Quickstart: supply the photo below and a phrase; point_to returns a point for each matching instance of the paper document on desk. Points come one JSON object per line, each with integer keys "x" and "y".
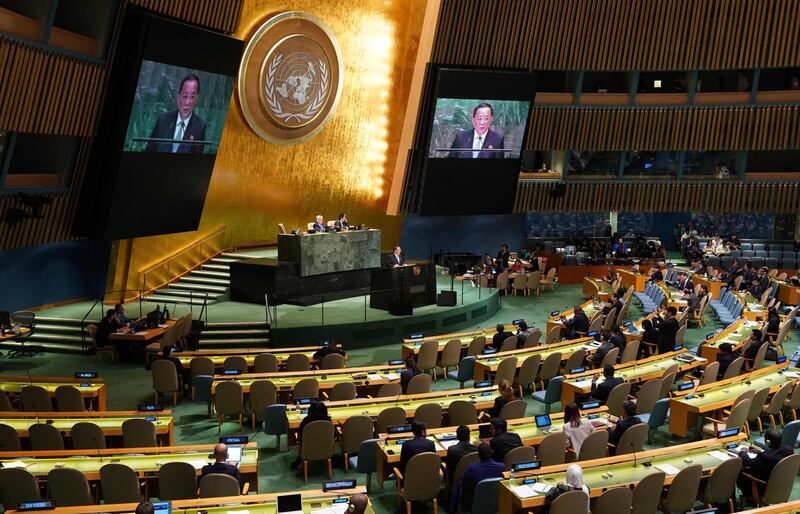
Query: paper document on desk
{"x": 447, "y": 444}
{"x": 523, "y": 491}
{"x": 791, "y": 374}
{"x": 374, "y": 376}
{"x": 336, "y": 508}
{"x": 14, "y": 464}
{"x": 539, "y": 487}
{"x": 720, "y": 455}
{"x": 198, "y": 464}
{"x": 391, "y": 376}
{"x": 667, "y": 468}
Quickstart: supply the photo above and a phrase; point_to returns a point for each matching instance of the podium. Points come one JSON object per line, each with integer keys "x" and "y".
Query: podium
{"x": 399, "y": 290}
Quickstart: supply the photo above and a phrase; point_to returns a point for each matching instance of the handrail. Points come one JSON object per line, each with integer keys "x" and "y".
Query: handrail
{"x": 140, "y": 295}
{"x": 226, "y": 230}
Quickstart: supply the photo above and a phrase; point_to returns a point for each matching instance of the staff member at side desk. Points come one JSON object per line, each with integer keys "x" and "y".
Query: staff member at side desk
{"x": 394, "y": 259}
{"x": 602, "y": 391}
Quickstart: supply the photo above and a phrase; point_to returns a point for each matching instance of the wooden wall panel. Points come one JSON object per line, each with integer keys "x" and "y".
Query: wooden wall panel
{"x": 618, "y": 34}
{"x": 649, "y": 197}
{"x": 220, "y": 15}
{"x": 665, "y": 128}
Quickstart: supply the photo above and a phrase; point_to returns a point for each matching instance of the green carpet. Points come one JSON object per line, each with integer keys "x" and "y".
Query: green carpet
{"x": 130, "y": 385}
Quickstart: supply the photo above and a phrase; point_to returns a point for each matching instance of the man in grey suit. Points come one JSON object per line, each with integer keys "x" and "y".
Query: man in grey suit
{"x": 480, "y": 138}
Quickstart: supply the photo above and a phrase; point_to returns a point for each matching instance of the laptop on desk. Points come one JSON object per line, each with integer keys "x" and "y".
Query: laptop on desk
{"x": 290, "y": 504}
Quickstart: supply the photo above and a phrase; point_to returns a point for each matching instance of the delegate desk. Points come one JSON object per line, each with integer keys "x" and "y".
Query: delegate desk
{"x": 626, "y": 470}
{"x": 109, "y": 421}
{"x": 638, "y": 332}
{"x": 589, "y": 308}
{"x": 142, "y": 336}
{"x": 791, "y": 507}
{"x": 712, "y": 284}
{"x": 674, "y": 297}
{"x": 482, "y": 398}
{"x": 597, "y": 289}
{"x": 486, "y": 365}
{"x": 367, "y": 377}
{"x": 144, "y": 461}
{"x": 218, "y": 356}
{"x": 580, "y": 384}
{"x": 334, "y": 502}
{"x": 788, "y": 294}
{"x": 629, "y": 278}
{"x": 411, "y": 346}
{"x": 735, "y": 334}
{"x": 753, "y": 310}
{"x": 687, "y": 410}
{"x": 91, "y": 389}
{"x": 389, "y": 446}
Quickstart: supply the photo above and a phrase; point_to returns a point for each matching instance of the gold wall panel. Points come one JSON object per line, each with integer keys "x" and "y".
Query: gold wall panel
{"x": 665, "y": 128}
{"x": 619, "y": 34}
{"x": 347, "y": 167}
{"x": 649, "y": 197}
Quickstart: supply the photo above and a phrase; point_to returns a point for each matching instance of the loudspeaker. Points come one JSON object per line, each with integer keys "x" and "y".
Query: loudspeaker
{"x": 401, "y": 308}
{"x": 446, "y": 299}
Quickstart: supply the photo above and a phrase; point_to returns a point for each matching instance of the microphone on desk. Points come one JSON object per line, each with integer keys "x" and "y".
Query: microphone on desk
{"x": 97, "y": 448}
{"x": 35, "y": 410}
{"x": 633, "y": 450}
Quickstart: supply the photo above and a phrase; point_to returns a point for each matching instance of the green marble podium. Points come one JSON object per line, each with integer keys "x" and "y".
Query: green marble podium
{"x": 317, "y": 254}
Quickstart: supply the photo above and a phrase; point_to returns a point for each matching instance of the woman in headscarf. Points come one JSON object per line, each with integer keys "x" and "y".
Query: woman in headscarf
{"x": 574, "y": 483}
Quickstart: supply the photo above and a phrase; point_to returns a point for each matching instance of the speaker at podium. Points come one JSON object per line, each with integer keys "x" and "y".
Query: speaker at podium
{"x": 399, "y": 290}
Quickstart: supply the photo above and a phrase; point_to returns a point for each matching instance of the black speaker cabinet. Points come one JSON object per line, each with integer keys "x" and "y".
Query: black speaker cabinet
{"x": 446, "y": 299}
{"x": 401, "y": 307}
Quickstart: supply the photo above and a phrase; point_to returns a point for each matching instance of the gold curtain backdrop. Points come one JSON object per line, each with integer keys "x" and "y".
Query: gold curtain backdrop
{"x": 256, "y": 185}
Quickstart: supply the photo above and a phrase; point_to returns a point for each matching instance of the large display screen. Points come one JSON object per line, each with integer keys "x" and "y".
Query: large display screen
{"x": 467, "y": 128}
{"x": 177, "y": 110}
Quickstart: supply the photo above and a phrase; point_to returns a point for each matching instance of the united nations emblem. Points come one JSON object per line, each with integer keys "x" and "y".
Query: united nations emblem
{"x": 290, "y": 78}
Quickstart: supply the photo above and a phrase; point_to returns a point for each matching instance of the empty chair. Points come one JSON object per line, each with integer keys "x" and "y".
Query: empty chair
{"x": 486, "y": 497}
{"x": 430, "y": 414}
{"x": 630, "y": 352}
{"x": 710, "y": 373}
{"x": 682, "y": 493}
{"x": 165, "y": 379}
{"x": 736, "y": 419}
{"x": 647, "y": 493}
{"x": 419, "y": 482}
{"x": 355, "y": 430}
{"x": 276, "y": 423}
{"x": 228, "y": 401}
{"x": 610, "y": 358}
{"x": 87, "y": 436}
{"x": 513, "y": 410}
{"x": 262, "y": 394}
{"x": 595, "y": 446}
{"x": 45, "y": 437}
{"x": 388, "y": 417}
{"x": 317, "y": 444}
{"x": 419, "y": 384}
{"x": 510, "y": 343}
{"x": 552, "y": 449}
{"x": 201, "y": 390}
{"x": 297, "y": 362}
{"x": 647, "y": 395}
{"x": 614, "y": 501}
{"x": 756, "y": 406}
{"x": 426, "y": 358}
{"x": 235, "y": 362}
{"x": 657, "y": 417}
{"x": 550, "y": 395}
{"x": 553, "y": 335}
{"x": 734, "y": 368}
{"x": 306, "y": 388}
{"x": 780, "y": 482}
{"x": 343, "y": 391}
{"x": 120, "y": 484}
{"x": 616, "y": 397}
{"x": 391, "y": 389}
{"x": 527, "y": 372}
{"x": 9, "y": 439}
{"x": 721, "y": 485}
{"x": 69, "y": 399}
{"x": 16, "y": 486}
{"x": 775, "y": 405}
{"x": 550, "y": 368}
{"x": 5, "y": 403}
{"x": 177, "y": 481}
{"x": 633, "y": 439}
{"x": 200, "y": 366}
{"x": 667, "y": 382}
{"x": 575, "y": 360}
{"x": 793, "y": 402}
{"x": 69, "y": 487}
{"x": 365, "y": 461}
{"x": 506, "y": 370}
{"x": 450, "y": 356}
{"x": 533, "y": 339}
{"x": 139, "y": 433}
{"x": 35, "y": 399}
{"x": 464, "y": 372}
{"x": 476, "y": 346}
{"x": 217, "y": 485}
{"x": 332, "y": 361}
{"x": 461, "y": 412}
{"x": 518, "y": 455}
{"x": 265, "y": 363}
{"x": 572, "y": 502}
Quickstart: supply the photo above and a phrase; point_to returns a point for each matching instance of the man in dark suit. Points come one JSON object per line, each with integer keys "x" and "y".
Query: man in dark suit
{"x": 577, "y": 323}
{"x": 667, "y": 328}
{"x": 725, "y": 358}
{"x": 601, "y": 391}
{"x": 417, "y": 445}
{"x": 626, "y": 421}
{"x": 486, "y": 468}
{"x": 458, "y": 450}
{"x": 481, "y": 137}
{"x": 762, "y": 465}
{"x": 221, "y": 465}
{"x": 319, "y": 223}
{"x": 394, "y": 259}
{"x": 502, "y": 442}
{"x": 657, "y": 275}
{"x": 684, "y": 282}
{"x": 501, "y": 335}
{"x": 181, "y": 124}
{"x": 618, "y": 339}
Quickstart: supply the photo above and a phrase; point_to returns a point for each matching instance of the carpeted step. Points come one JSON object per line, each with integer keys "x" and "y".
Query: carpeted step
{"x": 236, "y": 256}
{"x": 57, "y": 328}
{"x": 225, "y": 325}
{"x": 210, "y": 274}
{"x": 216, "y": 267}
{"x": 181, "y": 284}
{"x": 230, "y": 334}
{"x": 233, "y": 343}
{"x": 188, "y": 293}
{"x": 221, "y": 260}
{"x": 175, "y": 299}
{"x": 205, "y": 280}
